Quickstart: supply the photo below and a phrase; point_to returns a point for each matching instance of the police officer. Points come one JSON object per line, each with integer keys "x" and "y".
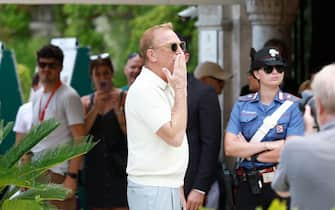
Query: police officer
{"x": 255, "y": 141}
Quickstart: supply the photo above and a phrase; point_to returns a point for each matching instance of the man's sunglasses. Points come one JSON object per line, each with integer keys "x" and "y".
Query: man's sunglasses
{"x": 52, "y": 65}
{"x": 174, "y": 46}
{"x": 269, "y": 69}
{"x": 99, "y": 56}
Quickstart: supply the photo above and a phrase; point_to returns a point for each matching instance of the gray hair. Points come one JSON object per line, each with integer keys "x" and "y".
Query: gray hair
{"x": 323, "y": 87}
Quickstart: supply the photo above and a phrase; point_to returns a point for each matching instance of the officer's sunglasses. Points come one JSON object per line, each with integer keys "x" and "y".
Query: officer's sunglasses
{"x": 269, "y": 69}
{"x": 51, "y": 65}
{"x": 99, "y": 56}
{"x": 174, "y": 46}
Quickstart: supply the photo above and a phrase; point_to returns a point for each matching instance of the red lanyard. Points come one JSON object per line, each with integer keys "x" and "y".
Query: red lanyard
{"x": 42, "y": 113}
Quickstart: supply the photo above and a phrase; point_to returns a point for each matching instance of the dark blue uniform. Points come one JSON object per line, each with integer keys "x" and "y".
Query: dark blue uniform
{"x": 246, "y": 118}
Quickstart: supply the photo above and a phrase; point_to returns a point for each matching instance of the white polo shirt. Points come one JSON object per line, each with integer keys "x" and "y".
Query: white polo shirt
{"x": 151, "y": 161}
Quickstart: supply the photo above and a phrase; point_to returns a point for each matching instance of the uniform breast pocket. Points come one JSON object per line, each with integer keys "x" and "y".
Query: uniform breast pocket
{"x": 248, "y": 125}
{"x": 279, "y": 131}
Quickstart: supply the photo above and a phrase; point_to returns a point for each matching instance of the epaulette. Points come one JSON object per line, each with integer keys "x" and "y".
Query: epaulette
{"x": 249, "y": 97}
{"x": 288, "y": 96}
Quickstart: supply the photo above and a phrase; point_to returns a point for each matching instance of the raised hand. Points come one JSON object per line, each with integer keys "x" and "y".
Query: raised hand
{"x": 177, "y": 79}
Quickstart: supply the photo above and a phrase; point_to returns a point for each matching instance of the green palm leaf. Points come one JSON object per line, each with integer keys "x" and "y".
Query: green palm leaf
{"x": 22, "y": 204}
{"x": 45, "y": 192}
{"x": 30, "y": 140}
{"x": 28, "y": 175}
{"x": 24, "y": 176}
{"x": 5, "y": 130}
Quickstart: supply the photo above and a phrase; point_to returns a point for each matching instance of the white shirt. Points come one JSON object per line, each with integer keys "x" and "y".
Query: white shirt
{"x": 151, "y": 161}
{"x": 66, "y": 108}
{"x": 23, "y": 118}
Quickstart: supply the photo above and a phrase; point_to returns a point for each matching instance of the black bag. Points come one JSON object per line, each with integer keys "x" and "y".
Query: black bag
{"x": 255, "y": 181}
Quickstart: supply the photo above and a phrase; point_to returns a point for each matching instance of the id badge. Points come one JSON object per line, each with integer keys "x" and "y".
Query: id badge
{"x": 268, "y": 177}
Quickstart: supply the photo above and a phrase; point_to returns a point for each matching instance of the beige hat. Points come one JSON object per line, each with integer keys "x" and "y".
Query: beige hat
{"x": 211, "y": 69}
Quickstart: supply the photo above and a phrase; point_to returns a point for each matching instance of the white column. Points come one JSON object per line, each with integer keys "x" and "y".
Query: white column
{"x": 211, "y": 35}
{"x": 225, "y": 38}
{"x": 42, "y": 23}
{"x": 271, "y": 19}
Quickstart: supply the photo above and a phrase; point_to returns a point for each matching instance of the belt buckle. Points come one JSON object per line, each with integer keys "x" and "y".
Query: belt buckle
{"x": 268, "y": 177}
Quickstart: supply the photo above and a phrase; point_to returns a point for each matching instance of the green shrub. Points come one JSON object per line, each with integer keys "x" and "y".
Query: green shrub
{"x": 15, "y": 176}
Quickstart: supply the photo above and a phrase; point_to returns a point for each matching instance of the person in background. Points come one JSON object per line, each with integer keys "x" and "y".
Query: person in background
{"x": 257, "y": 131}
{"x": 305, "y": 85}
{"x": 204, "y": 137}
{"x": 24, "y": 115}
{"x": 62, "y": 103}
{"x": 132, "y": 68}
{"x": 156, "y": 114}
{"x": 105, "y": 165}
{"x": 310, "y": 183}
{"x": 251, "y": 87}
{"x": 23, "y": 121}
{"x": 211, "y": 74}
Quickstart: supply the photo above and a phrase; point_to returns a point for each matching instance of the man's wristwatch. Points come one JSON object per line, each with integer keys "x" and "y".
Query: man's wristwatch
{"x": 72, "y": 175}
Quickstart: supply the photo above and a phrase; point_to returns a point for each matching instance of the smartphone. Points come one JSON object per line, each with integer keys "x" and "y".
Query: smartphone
{"x": 104, "y": 85}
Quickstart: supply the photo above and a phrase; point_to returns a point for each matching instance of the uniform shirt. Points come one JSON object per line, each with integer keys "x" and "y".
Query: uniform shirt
{"x": 248, "y": 114}
{"x": 151, "y": 161}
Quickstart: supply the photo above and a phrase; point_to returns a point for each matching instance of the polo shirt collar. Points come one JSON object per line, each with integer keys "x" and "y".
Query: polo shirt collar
{"x": 154, "y": 78}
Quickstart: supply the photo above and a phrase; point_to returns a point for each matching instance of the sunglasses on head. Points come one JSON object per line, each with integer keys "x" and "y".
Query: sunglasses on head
{"x": 51, "y": 65}
{"x": 269, "y": 69}
{"x": 99, "y": 56}
{"x": 174, "y": 46}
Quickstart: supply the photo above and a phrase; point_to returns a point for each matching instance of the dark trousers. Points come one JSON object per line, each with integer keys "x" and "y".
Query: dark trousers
{"x": 247, "y": 201}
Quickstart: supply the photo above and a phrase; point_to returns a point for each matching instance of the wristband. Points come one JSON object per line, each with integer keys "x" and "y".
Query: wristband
{"x": 72, "y": 175}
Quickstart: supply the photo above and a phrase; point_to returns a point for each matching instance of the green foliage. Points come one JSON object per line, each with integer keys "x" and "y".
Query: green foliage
{"x": 21, "y": 204}
{"x": 25, "y": 80}
{"x": 203, "y": 208}
{"x": 115, "y": 29}
{"x": 14, "y": 21}
{"x": 277, "y": 205}
{"x": 4, "y": 130}
{"x": 28, "y": 175}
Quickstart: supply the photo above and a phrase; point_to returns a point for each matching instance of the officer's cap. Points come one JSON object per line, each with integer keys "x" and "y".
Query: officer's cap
{"x": 267, "y": 56}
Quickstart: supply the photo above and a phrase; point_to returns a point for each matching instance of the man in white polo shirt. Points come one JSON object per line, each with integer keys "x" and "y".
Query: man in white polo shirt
{"x": 156, "y": 114}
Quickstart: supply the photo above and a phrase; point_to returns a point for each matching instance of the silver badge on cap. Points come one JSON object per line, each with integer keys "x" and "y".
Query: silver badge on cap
{"x": 273, "y": 52}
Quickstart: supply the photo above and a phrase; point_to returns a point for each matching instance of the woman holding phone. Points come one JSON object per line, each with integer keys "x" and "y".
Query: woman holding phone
{"x": 105, "y": 165}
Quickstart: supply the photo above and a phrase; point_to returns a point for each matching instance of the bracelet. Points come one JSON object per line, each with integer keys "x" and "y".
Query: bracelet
{"x": 72, "y": 175}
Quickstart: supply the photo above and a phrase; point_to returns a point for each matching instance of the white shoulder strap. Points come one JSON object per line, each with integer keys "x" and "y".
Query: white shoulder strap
{"x": 270, "y": 122}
